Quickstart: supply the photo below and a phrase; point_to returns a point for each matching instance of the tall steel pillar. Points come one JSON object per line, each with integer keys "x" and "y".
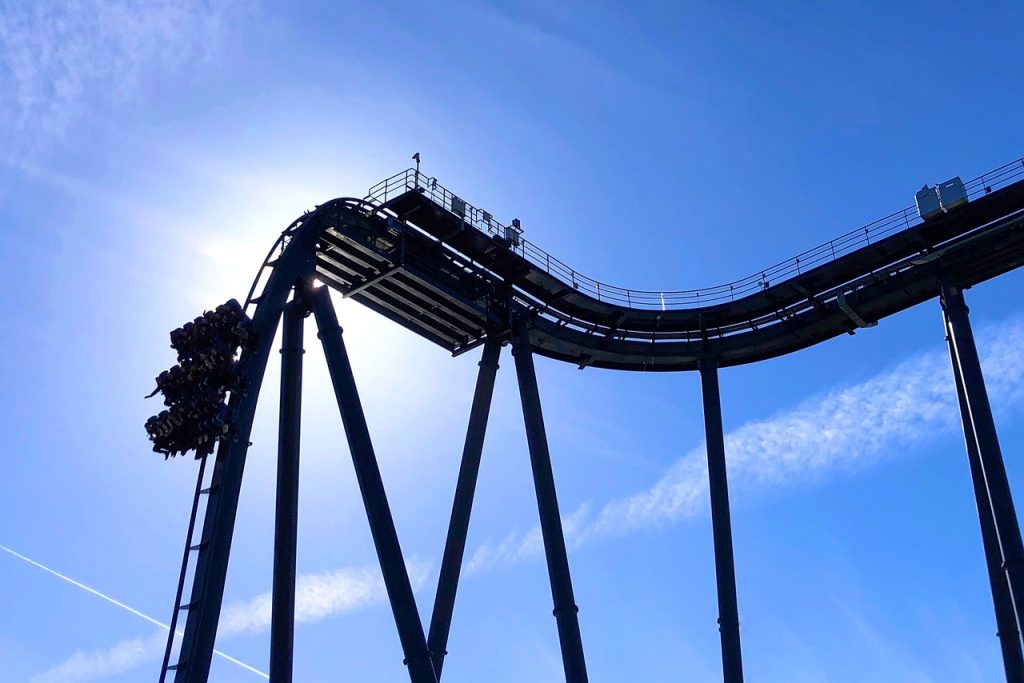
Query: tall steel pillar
{"x": 1006, "y": 621}
{"x": 725, "y": 571}
{"x": 371, "y": 487}
{"x": 1000, "y": 532}
{"x": 282, "y": 619}
{"x": 565, "y": 609}
{"x": 465, "y": 487}
{"x": 207, "y": 594}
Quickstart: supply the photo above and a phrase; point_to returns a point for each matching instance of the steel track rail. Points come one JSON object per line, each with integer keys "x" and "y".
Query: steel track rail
{"x": 852, "y": 287}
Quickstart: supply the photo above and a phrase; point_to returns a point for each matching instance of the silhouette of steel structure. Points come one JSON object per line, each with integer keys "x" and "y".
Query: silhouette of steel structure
{"x": 426, "y": 259}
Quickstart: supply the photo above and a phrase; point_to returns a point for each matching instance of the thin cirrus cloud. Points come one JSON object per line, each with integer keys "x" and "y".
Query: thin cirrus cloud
{"x": 844, "y": 430}
{"x": 317, "y": 596}
{"x": 62, "y": 64}
{"x": 91, "y": 666}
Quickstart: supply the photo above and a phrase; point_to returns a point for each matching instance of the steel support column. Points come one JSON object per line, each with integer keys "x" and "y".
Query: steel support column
{"x": 565, "y": 609}
{"x": 294, "y": 264}
{"x": 725, "y": 571}
{"x": 1000, "y": 532}
{"x": 1006, "y": 621}
{"x": 219, "y": 522}
{"x": 282, "y": 620}
{"x": 371, "y": 487}
{"x": 465, "y": 487}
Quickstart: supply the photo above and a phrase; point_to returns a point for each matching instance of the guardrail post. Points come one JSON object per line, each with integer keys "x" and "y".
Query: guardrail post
{"x": 998, "y": 518}
{"x": 455, "y": 545}
{"x": 565, "y": 610}
{"x": 282, "y": 620}
{"x": 721, "y": 524}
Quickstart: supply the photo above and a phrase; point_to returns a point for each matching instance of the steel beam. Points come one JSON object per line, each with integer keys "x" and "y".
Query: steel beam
{"x": 282, "y": 619}
{"x": 565, "y": 609}
{"x": 725, "y": 571}
{"x": 1006, "y": 621}
{"x": 371, "y": 487}
{"x": 207, "y": 595}
{"x": 465, "y": 487}
{"x": 371, "y": 281}
{"x": 987, "y": 469}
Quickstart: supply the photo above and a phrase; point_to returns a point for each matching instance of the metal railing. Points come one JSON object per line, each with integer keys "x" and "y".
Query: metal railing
{"x": 413, "y": 180}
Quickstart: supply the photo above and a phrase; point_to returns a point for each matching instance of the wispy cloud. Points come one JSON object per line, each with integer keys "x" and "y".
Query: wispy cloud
{"x": 517, "y": 546}
{"x": 317, "y": 596}
{"x": 841, "y": 431}
{"x": 123, "y": 656}
{"x": 61, "y": 62}
{"x": 120, "y": 656}
{"x": 90, "y": 666}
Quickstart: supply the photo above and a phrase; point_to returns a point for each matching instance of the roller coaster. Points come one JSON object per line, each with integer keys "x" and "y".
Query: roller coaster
{"x": 451, "y": 273}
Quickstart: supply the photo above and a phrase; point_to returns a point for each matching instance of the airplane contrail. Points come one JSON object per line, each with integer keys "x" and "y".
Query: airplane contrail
{"x": 128, "y": 608}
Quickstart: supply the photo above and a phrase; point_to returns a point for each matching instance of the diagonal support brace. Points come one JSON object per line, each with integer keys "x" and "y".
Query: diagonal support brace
{"x": 458, "y": 527}
{"x": 996, "y": 513}
{"x": 1006, "y": 621}
{"x": 371, "y": 487}
{"x": 565, "y": 609}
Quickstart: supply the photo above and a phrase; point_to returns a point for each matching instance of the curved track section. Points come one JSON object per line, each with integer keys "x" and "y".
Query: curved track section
{"x": 423, "y": 257}
{"x": 443, "y": 269}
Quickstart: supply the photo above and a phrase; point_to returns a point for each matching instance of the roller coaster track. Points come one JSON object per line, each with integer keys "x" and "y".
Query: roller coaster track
{"x": 425, "y": 258}
{"x": 438, "y": 265}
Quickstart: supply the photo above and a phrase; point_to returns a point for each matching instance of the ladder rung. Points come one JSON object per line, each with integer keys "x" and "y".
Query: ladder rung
{"x": 197, "y": 546}
{"x": 209, "y": 489}
{"x": 174, "y": 667}
{"x": 187, "y": 605}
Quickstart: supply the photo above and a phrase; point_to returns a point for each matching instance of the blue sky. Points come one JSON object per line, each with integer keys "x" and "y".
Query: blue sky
{"x": 151, "y": 152}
